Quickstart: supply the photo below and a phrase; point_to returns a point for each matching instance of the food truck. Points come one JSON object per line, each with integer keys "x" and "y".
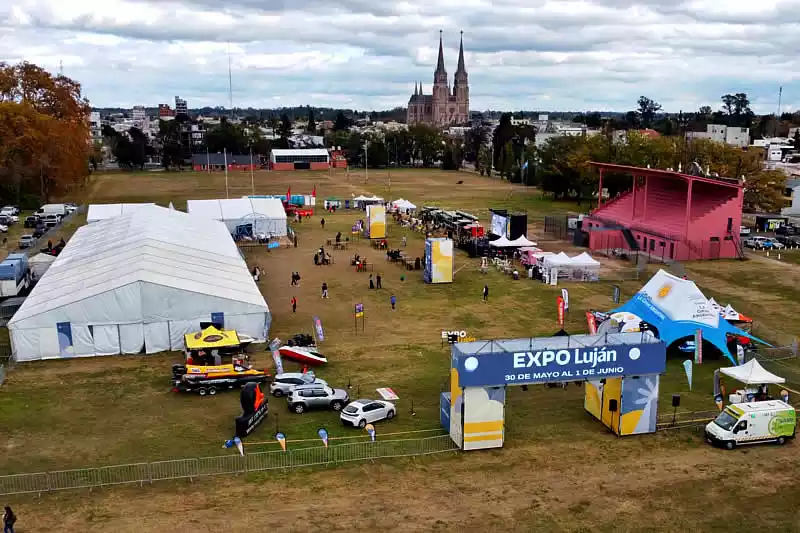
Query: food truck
{"x": 753, "y": 423}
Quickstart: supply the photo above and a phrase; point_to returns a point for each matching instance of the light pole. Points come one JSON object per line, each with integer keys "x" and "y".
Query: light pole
{"x": 366, "y": 166}
{"x": 252, "y": 177}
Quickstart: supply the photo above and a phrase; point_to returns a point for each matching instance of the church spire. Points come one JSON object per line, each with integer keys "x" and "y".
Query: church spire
{"x": 461, "y": 67}
{"x": 416, "y": 88}
{"x": 440, "y": 63}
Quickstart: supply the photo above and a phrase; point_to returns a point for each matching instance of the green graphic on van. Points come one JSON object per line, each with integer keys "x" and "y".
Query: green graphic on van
{"x": 782, "y": 424}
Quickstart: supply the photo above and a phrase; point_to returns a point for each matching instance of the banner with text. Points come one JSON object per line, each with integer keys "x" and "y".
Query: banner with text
{"x": 569, "y": 364}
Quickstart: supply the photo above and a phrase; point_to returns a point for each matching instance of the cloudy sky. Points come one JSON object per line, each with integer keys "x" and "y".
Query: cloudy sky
{"x": 367, "y": 54}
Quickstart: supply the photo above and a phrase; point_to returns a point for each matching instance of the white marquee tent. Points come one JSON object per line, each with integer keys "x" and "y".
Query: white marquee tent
{"x": 267, "y": 215}
{"x": 98, "y": 212}
{"x": 752, "y": 373}
{"x": 139, "y": 282}
{"x": 502, "y": 242}
{"x": 579, "y": 268}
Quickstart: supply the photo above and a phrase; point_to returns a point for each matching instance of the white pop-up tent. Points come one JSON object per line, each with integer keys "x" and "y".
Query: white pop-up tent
{"x": 98, "y": 212}
{"x": 264, "y": 215}
{"x": 522, "y": 241}
{"x": 39, "y": 264}
{"x": 752, "y": 373}
{"x": 138, "y": 283}
{"x": 502, "y": 242}
{"x": 579, "y": 268}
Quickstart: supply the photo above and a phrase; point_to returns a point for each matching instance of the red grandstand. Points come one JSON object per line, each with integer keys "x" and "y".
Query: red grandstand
{"x": 670, "y": 215}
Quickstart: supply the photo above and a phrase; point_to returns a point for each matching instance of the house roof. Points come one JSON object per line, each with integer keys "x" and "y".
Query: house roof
{"x": 299, "y": 151}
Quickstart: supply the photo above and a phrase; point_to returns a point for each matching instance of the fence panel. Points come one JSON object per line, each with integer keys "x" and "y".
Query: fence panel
{"x": 122, "y": 474}
{"x": 24, "y": 483}
{"x": 220, "y": 465}
{"x": 176, "y": 469}
{"x": 82, "y": 478}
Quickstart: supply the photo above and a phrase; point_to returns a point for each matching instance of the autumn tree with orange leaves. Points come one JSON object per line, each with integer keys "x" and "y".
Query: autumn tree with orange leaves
{"x": 44, "y": 134}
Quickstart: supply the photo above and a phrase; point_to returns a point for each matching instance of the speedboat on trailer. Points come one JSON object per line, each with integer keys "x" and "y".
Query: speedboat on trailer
{"x": 303, "y": 354}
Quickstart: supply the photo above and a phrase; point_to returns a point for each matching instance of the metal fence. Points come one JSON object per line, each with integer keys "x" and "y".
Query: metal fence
{"x": 147, "y": 473}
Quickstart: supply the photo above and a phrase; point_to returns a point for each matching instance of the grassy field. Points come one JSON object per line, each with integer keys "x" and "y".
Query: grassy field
{"x": 561, "y": 470}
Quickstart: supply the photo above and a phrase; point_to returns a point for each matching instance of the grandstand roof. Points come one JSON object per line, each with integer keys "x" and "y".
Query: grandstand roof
{"x": 656, "y": 172}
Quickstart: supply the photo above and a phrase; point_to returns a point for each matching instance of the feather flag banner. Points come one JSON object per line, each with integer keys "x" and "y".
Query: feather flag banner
{"x": 687, "y": 366}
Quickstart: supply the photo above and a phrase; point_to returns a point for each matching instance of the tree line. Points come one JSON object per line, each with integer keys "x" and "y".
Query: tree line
{"x": 44, "y": 132}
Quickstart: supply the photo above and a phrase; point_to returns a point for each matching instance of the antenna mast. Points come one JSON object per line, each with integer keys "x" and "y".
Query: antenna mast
{"x": 230, "y": 80}
{"x": 778, "y": 116}
{"x": 60, "y": 68}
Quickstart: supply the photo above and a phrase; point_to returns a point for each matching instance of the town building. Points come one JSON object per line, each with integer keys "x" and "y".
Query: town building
{"x": 734, "y": 136}
{"x": 165, "y": 112}
{"x": 444, "y": 107}
{"x": 299, "y": 159}
{"x": 181, "y": 107}
{"x": 216, "y": 162}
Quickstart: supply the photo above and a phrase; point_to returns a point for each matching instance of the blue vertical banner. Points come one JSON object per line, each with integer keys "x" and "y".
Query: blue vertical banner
{"x": 64, "y": 330}
{"x": 218, "y": 318}
{"x": 318, "y": 329}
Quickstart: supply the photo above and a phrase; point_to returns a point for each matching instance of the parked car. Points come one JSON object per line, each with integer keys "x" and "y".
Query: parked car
{"x": 8, "y": 220}
{"x": 758, "y": 243}
{"x": 362, "y": 412}
{"x": 26, "y": 241}
{"x": 39, "y": 231}
{"x": 744, "y": 230}
{"x": 787, "y": 240}
{"x": 31, "y": 221}
{"x": 3, "y": 229}
{"x": 786, "y": 230}
{"x": 51, "y": 221}
{"x": 71, "y": 208}
{"x": 284, "y": 383}
{"x": 304, "y": 397}
{"x": 774, "y": 245}
{"x": 9, "y": 210}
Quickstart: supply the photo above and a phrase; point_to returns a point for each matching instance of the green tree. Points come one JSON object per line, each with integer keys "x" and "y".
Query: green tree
{"x": 172, "y": 152}
{"x": 312, "y": 124}
{"x": 226, "y": 137}
{"x": 284, "y": 131}
{"x": 341, "y": 123}
{"x": 476, "y": 137}
{"x": 763, "y": 191}
{"x": 485, "y": 161}
{"x": 797, "y": 140}
{"x": 502, "y": 135}
{"x": 647, "y": 111}
{"x": 426, "y": 143}
{"x": 594, "y": 120}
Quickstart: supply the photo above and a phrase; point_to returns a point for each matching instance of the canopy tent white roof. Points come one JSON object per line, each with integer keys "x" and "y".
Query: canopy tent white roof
{"x": 39, "y": 263}
{"x": 584, "y": 259}
{"x": 523, "y": 241}
{"x": 752, "y": 373}
{"x": 558, "y": 259}
{"x": 529, "y": 249}
{"x": 502, "y": 242}
{"x": 138, "y": 282}
{"x": 680, "y": 299}
{"x": 267, "y": 215}
{"x": 98, "y": 212}
{"x": 403, "y": 204}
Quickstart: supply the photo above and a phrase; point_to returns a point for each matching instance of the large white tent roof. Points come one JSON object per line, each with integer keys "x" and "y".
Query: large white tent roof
{"x": 155, "y": 253}
{"x": 236, "y": 208}
{"x": 680, "y": 299}
{"x": 98, "y": 212}
{"x": 752, "y": 373}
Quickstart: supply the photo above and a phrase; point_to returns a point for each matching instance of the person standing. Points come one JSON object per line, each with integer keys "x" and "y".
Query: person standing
{"x": 393, "y": 301}
{"x": 9, "y": 519}
{"x": 294, "y": 279}
{"x": 324, "y": 290}
{"x": 378, "y": 281}
{"x": 485, "y": 293}
{"x": 295, "y": 240}
{"x": 322, "y": 223}
{"x": 405, "y": 241}
{"x": 371, "y": 282}
{"x": 294, "y": 304}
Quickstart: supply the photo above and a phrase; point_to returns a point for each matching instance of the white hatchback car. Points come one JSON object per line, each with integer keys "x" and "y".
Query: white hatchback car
{"x": 362, "y": 412}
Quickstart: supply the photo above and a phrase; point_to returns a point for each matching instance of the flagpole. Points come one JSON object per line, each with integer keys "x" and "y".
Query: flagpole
{"x": 252, "y": 178}
{"x": 225, "y": 156}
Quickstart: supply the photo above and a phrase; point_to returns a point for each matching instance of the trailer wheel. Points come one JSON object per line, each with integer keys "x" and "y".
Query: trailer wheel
{"x": 781, "y": 441}
{"x": 730, "y": 445}
{"x": 212, "y": 391}
{"x": 201, "y": 391}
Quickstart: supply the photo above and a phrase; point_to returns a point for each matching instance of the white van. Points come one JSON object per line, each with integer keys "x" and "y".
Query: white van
{"x": 752, "y": 423}
{"x": 52, "y": 209}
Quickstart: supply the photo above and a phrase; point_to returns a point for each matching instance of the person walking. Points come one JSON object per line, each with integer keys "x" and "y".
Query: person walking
{"x": 322, "y": 223}
{"x": 378, "y": 281}
{"x": 485, "y": 293}
{"x": 324, "y": 290}
{"x": 405, "y": 241}
{"x": 295, "y": 240}
{"x": 294, "y": 279}
{"x": 9, "y": 519}
{"x": 393, "y": 301}
{"x": 371, "y": 282}
{"x": 294, "y": 304}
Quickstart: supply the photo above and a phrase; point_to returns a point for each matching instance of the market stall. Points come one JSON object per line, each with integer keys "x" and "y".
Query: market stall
{"x": 755, "y": 378}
